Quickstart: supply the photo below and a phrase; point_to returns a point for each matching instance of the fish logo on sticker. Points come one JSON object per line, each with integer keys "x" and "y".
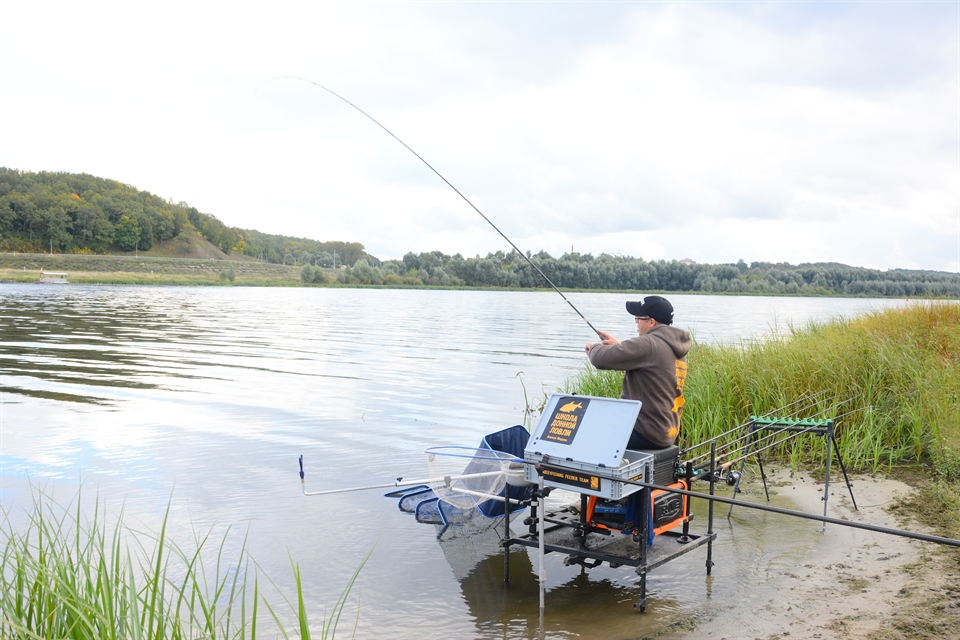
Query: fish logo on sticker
{"x": 565, "y": 419}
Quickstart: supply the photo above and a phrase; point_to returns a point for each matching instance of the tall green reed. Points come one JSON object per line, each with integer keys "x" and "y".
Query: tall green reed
{"x": 896, "y": 373}
{"x": 69, "y": 577}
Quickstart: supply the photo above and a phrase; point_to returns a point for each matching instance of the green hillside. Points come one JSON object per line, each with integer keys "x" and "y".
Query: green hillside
{"x": 79, "y": 213}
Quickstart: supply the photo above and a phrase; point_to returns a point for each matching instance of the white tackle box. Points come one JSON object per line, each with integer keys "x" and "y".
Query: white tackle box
{"x": 580, "y": 437}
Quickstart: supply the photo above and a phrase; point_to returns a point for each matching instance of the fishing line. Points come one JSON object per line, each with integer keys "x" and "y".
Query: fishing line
{"x": 465, "y": 199}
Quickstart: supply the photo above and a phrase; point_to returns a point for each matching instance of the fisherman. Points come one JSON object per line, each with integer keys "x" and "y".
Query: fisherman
{"x": 655, "y": 366}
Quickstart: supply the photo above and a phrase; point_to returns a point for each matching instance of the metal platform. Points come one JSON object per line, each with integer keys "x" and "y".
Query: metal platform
{"x": 616, "y": 549}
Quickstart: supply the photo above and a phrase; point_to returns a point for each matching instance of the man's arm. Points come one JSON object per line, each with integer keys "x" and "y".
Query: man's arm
{"x": 620, "y": 356}
{"x": 606, "y": 338}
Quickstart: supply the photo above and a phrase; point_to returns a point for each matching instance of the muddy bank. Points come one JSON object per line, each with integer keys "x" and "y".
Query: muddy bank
{"x": 852, "y": 583}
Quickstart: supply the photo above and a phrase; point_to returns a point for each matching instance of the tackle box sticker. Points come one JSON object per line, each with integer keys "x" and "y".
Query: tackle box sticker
{"x": 565, "y": 420}
{"x": 571, "y": 478}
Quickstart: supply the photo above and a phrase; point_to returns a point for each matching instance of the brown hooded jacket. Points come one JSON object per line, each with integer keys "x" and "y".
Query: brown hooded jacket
{"x": 656, "y": 369}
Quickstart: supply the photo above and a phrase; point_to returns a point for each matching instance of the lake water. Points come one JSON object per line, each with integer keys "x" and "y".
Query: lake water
{"x": 209, "y": 395}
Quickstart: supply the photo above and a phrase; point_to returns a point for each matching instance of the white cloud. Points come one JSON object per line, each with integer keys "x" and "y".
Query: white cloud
{"x": 714, "y": 132}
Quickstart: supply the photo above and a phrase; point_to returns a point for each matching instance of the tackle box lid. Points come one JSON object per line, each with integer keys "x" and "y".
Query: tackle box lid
{"x": 585, "y": 429}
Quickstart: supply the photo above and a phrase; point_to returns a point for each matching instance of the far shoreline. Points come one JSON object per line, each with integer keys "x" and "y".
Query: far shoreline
{"x": 124, "y": 279}
{"x": 151, "y": 270}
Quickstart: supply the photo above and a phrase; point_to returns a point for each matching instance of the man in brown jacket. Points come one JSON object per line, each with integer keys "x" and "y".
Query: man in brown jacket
{"x": 655, "y": 366}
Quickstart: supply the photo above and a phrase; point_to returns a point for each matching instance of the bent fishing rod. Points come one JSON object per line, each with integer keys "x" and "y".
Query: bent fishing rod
{"x": 465, "y": 198}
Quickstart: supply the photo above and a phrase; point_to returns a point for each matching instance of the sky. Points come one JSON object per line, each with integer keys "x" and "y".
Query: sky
{"x": 768, "y": 131}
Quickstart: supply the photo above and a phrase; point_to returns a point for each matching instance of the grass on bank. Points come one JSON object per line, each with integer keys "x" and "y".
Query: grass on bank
{"x": 896, "y": 373}
{"x": 66, "y": 576}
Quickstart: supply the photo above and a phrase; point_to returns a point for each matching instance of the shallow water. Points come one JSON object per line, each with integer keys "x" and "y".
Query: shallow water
{"x": 210, "y": 394}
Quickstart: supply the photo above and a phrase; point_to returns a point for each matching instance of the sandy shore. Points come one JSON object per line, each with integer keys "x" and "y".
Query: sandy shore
{"x": 855, "y": 584}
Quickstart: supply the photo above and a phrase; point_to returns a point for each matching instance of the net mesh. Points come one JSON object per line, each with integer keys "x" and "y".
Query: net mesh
{"x": 462, "y": 501}
{"x": 465, "y": 477}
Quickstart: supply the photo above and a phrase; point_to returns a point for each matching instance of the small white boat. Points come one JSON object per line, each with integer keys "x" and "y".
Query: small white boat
{"x": 53, "y": 277}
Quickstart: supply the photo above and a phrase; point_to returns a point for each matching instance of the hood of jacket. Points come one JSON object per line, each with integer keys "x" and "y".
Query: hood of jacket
{"x": 677, "y": 339}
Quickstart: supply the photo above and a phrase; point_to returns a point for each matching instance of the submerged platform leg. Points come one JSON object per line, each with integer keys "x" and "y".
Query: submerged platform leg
{"x": 506, "y": 534}
{"x": 713, "y": 482}
{"x": 644, "y": 532}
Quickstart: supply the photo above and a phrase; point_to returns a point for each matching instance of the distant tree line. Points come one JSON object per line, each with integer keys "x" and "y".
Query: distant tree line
{"x": 584, "y": 271}
{"x": 80, "y": 213}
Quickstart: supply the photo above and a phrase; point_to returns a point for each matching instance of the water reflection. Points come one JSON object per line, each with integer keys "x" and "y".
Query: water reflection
{"x": 217, "y": 391}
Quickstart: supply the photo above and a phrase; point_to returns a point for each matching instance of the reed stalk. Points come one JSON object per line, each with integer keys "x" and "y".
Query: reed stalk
{"x": 66, "y": 577}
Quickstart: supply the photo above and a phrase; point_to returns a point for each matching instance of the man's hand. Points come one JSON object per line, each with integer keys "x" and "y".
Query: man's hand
{"x": 606, "y": 338}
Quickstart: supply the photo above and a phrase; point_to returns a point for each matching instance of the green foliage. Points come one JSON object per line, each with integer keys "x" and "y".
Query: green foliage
{"x": 584, "y": 271}
{"x": 896, "y": 373}
{"x": 78, "y": 212}
{"x": 290, "y": 250}
{"x": 576, "y": 271}
{"x": 83, "y": 213}
{"x": 313, "y": 275}
{"x": 127, "y": 234}
{"x": 66, "y": 576}
{"x": 228, "y": 274}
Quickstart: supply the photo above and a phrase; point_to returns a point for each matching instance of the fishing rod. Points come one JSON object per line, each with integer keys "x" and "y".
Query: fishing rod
{"x": 465, "y": 199}
{"x": 774, "y": 433}
{"x": 750, "y": 436}
{"x": 754, "y": 440}
{"x": 758, "y": 450}
{"x": 747, "y": 423}
{"x": 741, "y": 426}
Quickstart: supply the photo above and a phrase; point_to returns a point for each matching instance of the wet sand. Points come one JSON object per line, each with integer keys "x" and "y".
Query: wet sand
{"x": 853, "y": 584}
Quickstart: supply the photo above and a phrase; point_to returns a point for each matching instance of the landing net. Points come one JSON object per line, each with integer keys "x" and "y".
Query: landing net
{"x": 468, "y": 484}
{"x": 483, "y": 474}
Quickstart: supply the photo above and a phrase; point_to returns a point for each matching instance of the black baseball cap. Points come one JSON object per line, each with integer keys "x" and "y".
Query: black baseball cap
{"x": 656, "y": 307}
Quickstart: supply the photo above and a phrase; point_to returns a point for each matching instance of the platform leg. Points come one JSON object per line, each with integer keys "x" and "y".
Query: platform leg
{"x": 534, "y": 508}
{"x": 506, "y": 534}
{"x": 713, "y": 481}
{"x": 580, "y": 533}
{"x": 644, "y": 532}
{"x": 543, "y": 566}
{"x": 826, "y": 477}
{"x": 685, "y": 536}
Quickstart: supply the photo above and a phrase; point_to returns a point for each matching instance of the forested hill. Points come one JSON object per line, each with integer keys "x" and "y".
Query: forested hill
{"x": 80, "y": 213}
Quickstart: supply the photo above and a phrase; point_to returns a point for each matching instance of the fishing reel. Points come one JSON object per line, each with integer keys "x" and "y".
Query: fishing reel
{"x": 730, "y": 478}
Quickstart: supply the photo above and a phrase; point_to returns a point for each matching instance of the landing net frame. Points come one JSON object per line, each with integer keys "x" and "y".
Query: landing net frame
{"x": 466, "y": 477}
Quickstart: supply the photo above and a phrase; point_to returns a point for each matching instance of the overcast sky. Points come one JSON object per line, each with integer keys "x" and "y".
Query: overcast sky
{"x": 783, "y": 131}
